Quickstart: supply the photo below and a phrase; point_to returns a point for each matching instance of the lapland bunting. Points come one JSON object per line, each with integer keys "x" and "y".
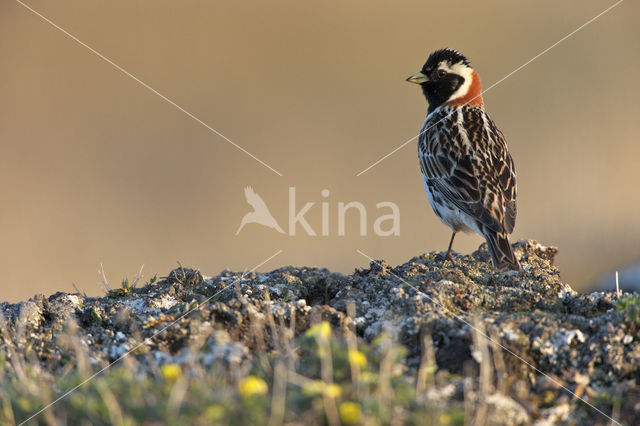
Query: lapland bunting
{"x": 468, "y": 174}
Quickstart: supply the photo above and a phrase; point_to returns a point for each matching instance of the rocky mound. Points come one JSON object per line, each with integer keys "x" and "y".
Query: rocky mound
{"x": 534, "y": 349}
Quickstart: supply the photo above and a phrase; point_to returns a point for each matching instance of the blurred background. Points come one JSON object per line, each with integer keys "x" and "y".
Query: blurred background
{"x": 94, "y": 168}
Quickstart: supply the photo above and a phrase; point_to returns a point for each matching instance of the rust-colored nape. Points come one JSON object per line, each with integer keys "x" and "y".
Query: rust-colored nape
{"x": 473, "y": 97}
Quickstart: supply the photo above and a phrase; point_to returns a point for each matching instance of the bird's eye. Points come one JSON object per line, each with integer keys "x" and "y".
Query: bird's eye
{"x": 441, "y": 73}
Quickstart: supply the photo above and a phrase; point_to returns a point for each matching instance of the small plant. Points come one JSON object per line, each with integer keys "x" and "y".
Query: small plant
{"x": 185, "y": 276}
{"x": 629, "y": 306}
{"x": 124, "y": 289}
{"x": 95, "y": 315}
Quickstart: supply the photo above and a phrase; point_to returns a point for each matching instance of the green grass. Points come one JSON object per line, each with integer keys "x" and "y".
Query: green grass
{"x": 326, "y": 380}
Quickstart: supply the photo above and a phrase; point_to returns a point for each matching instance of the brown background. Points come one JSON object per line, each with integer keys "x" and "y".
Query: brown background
{"x": 95, "y": 168}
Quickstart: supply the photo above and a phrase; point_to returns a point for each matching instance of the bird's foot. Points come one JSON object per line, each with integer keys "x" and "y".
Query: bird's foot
{"x": 449, "y": 257}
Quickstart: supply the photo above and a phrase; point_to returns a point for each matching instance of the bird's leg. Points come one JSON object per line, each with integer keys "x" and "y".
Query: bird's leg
{"x": 448, "y": 255}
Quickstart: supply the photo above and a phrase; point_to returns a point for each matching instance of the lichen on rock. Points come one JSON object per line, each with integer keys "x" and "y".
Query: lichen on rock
{"x": 527, "y": 326}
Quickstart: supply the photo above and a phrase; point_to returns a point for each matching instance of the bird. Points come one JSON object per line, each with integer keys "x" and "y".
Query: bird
{"x": 260, "y": 213}
{"x": 467, "y": 171}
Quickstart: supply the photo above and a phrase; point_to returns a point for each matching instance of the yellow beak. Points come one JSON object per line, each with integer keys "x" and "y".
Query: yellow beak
{"x": 418, "y": 78}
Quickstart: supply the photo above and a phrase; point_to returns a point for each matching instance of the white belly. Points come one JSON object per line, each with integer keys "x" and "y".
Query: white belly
{"x": 453, "y": 217}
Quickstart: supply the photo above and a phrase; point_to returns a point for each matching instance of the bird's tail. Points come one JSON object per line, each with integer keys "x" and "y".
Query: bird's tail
{"x": 500, "y": 250}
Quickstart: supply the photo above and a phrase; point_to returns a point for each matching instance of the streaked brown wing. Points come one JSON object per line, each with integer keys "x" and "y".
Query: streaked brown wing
{"x": 506, "y": 182}
{"x": 460, "y": 186}
{"x": 481, "y": 183}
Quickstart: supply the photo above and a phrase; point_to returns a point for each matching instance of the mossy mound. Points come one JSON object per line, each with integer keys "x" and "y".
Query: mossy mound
{"x": 453, "y": 341}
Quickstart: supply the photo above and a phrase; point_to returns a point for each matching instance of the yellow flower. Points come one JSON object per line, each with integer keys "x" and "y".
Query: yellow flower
{"x": 357, "y": 358}
{"x": 214, "y": 412}
{"x": 171, "y": 372}
{"x": 332, "y": 390}
{"x": 445, "y": 419}
{"x": 350, "y": 413}
{"x": 321, "y": 330}
{"x": 253, "y": 385}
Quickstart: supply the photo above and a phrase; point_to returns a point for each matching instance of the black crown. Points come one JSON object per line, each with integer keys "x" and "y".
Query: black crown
{"x": 449, "y": 55}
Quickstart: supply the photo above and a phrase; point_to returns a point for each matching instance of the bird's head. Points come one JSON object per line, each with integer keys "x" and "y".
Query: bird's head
{"x": 447, "y": 78}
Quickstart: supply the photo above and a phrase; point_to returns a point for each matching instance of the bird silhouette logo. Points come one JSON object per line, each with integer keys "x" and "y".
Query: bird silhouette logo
{"x": 260, "y": 213}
